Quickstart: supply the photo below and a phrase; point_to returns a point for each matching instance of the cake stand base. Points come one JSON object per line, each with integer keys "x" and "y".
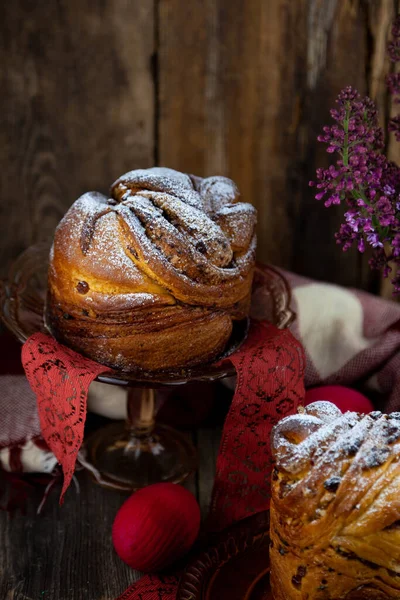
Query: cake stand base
{"x": 131, "y": 454}
{"x": 130, "y": 462}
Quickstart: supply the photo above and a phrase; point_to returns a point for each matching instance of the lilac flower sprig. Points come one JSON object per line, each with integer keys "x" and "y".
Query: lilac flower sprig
{"x": 362, "y": 177}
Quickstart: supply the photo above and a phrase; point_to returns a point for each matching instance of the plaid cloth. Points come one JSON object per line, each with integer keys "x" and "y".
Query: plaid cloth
{"x": 350, "y": 338}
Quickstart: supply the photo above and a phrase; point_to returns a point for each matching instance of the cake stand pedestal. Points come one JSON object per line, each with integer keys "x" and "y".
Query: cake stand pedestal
{"x": 136, "y": 453}
{"x": 140, "y": 451}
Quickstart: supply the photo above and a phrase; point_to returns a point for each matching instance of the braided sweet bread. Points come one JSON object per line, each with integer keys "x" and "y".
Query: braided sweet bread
{"x": 335, "y": 509}
{"x": 152, "y": 276}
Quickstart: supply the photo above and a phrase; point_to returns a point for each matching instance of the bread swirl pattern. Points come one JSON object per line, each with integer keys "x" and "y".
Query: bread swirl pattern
{"x": 335, "y": 509}
{"x": 153, "y": 275}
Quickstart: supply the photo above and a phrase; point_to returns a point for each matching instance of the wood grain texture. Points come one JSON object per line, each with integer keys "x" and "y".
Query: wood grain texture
{"x": 380, "y": 19}
{"x": 66, "y": 553}
{"x": 208, "y": 441}
{"x": 340, "y": 58}
{"x": 227, "y": 112}
{"x": 77, "y": 107}
{"x": 244, "y": 90}
{"x": 93, "y": 88}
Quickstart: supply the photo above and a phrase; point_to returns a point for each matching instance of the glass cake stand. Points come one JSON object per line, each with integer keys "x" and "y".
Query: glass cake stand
{"x": 130, "y": 455}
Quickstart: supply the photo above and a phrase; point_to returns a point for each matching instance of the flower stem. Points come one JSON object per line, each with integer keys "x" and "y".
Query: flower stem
{"x": 346, "y": 136}
{"x": 360, "y": 194}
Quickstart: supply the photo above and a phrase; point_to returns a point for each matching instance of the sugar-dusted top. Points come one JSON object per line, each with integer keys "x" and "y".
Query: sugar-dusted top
{"x": 322, "y": 430}
{"x": 175, "y": 235}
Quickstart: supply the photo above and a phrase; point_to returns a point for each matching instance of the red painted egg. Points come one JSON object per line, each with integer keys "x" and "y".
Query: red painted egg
{"x": 343, "y": 397}
{"x": 156, "y": 526}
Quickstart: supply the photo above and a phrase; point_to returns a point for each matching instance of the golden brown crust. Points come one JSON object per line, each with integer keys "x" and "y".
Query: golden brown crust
{"x": 335, "y": 508}
{"x": 153, "y": 276}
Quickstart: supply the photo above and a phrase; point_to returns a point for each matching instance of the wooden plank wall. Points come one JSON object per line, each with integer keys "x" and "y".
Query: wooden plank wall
{"x": 92, "y": 88}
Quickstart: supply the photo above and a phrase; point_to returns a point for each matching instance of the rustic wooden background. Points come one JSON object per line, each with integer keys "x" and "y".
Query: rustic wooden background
{"x": 93, "y": 88}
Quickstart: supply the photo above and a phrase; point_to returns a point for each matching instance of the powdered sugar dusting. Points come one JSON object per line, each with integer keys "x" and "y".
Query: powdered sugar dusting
{"x": 227, "y": 240}
{"x": 335, "y": 501}
{"x": 161, "y": 179}
{"x": 106, "y": 259}
{"x": 326, "y": 411}
{"x": 339, "y": 436}
{"x": 234, "y": 209}
{"x": 295, "y": 457}
{"x": 205, "y": 235}
{"x": 107, "y": 244}
{"x": 218, "y": 191}
{"x": 69, "y": 229}
{"x": 162, "y": 228}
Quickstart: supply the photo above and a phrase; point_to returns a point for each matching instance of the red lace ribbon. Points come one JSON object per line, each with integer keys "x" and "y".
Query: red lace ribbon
{"x": 270, "y": 384}
{"x": 60, "y": 379}
{"x": 270, "y": 369}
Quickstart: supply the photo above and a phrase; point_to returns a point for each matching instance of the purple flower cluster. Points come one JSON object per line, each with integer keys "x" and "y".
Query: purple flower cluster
{"x": 357, "y": 139}
{"x": 362, "y": 177}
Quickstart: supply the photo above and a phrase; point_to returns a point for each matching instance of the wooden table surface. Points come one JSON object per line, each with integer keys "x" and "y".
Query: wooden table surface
{"x": 66, "y": 553}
